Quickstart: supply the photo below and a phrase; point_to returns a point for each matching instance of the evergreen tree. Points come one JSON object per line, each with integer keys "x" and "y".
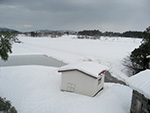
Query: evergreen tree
{"x": 6, "y": 107}
{"x": 6, "y": 40}
{"x": 138, "y": 56}
{"x": 146, "y": 38}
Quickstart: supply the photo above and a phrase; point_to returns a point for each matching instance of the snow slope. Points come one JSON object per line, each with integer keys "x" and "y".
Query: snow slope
{"x": 107, "y": 51}
{"x": 36, "y": 89}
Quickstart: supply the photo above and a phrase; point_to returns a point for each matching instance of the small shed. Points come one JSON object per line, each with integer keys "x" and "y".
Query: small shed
{"x": 85, "y": 78}
{"x": 141, "y": 92}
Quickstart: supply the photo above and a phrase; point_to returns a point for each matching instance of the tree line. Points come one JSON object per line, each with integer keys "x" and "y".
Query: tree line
{"x": 135, "y": 34}
{"x": 57, "y": 33}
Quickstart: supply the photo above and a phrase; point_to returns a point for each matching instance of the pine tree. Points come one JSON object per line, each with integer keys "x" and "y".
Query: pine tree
{"x": 6, "y": 107}
{"x": 6, "y": 40}
{"x": 138, "y": 56}
{"x": 146, "y": 38}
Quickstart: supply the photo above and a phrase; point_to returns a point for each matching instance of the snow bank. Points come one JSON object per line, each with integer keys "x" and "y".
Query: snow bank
{"x": 36, "y": 89}
{"x": 141, "y": 82}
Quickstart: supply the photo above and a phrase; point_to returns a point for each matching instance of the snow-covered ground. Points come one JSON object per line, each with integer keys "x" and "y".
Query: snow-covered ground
{"x": 36, "y": 89}
{"x": 107, "y": 51}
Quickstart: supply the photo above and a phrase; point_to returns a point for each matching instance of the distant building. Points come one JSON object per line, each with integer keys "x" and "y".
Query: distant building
{"x": 85, "y": 78}
{"x": 141, "y": 92}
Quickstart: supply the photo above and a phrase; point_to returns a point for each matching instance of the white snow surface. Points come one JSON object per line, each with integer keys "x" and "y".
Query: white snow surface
{"x": 108, "y": 51}
{"x": 141, "y": 82}
{"x": 92, "y": 68}
{"x": 36, "y": 89}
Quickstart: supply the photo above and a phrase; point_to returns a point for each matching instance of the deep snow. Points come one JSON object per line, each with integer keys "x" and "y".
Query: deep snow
{"x": 36, "y": 89}
{"x": 91, "y": 68}
{"x": 106, "y": 51}
{"x": 141, "y": 82}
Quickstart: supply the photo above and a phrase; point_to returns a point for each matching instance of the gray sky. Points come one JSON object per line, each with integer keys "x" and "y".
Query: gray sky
{"x": 105, "y": 15}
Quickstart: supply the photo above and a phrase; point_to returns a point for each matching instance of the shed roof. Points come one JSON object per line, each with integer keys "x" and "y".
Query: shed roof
{"x": 148, "y": 56}
{"x": 141, "y": 83}
{"x": 90, "y": 68}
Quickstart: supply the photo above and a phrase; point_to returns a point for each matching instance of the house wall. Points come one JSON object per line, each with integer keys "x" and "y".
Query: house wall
{"x": 80, "y": 83}
{"x": 139, "y": 103}
{"x": 99, "y": 84}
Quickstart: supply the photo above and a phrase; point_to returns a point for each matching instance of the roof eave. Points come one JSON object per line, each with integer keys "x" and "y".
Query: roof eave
{"x": 79, "y": 71}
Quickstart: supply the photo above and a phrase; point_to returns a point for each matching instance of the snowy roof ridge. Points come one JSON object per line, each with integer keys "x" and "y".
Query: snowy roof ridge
{"x": 141, "y": 82}
{"x": 148, "y": 56}
{"x": 91, "y": 68}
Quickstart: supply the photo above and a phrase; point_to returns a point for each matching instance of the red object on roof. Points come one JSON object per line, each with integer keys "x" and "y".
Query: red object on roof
{"x": 102, "y": 72}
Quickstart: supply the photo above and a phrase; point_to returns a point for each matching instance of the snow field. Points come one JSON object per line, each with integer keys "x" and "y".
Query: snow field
{"x": 36, "y": 89}
{"x": 107, "y": 51}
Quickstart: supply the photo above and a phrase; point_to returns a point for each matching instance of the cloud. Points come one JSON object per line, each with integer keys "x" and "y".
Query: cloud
{"x": 114, "y": 15}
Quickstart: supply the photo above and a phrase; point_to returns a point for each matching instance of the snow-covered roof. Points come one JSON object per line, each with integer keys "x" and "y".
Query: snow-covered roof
{"x": 141, "y": 83}
{"x": 148, "y": 56}
{"x": 91, "y": 68}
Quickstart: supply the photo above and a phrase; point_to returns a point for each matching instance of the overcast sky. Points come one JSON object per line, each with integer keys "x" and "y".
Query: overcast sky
{"x": 105, "y": 15}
